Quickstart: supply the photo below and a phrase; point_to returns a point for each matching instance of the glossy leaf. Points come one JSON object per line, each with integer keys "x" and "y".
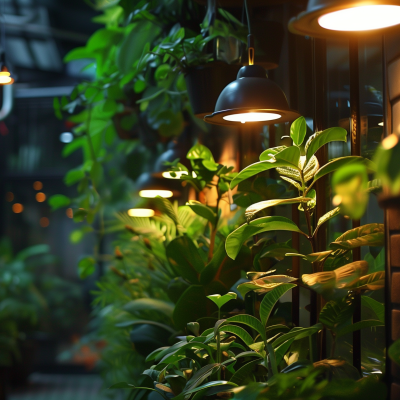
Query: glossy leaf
{"x": 264, "y": 285}
{"x": 297, "y": 334}
{"x": 277, "y": 250}
{"x": 373, "y": 281}
{"x": 289, "y": 156}
{"x": 341, "y": 162}
{"x": 377, "y": 307}
{"x": 58, "y": 201}
{"x": 250, "y": 321}
{"x": 236, "y": 239}
{"x": 326, "y": 217}
{"x": 166, "y": 207}
{"x": 298, "y": 130}
{"x": 200, "y": 151}
{"x": 262, "y": 205}
{"x": 255, "y": 169}
{"x": 319, "y": 139}
{"x": 149, "y": 305}
{"x": 202, "y": 210}
{"x": 86, "y": 267}
{"x": 282, "y": 350}
{"x": 243, "y": 373}
{"x": 221, "y": 300}
{"x": 239, "y": 332}
{"x": 359, "y": 325}
{"x": 270, "y": 299}
{"x": 311, "y": 168}
{"x": 271, "y": 153}
{"x": 209, "y": 385}
{"x": 366, "y": 235}
{"x": 313, "y": 257}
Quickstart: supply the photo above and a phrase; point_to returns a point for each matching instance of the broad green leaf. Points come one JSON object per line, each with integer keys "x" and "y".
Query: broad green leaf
{"x": 270, "y": 299}
{"x": 191, "y": 306}
{"x": 221, "y": 300}
{"x": 290, "y": 156}
{"x": 297, "y": 333}
{"x": 336, "y": 313}
{"x": 74, "y": 176}
{"x": 248, "y": 354}
{"x": 150, "y": 305}
{"x": 311, "y": 168}
{"x": 292, "y": 181}
{"x": 282, "y": 350}
{"x": 341, "y": 162}
{"x": 250, "y": 321}
{"x": 359, "y": 325}
{"x": 239, "y": 332}
{"x": 255, "y": 169}
{"x": 350, "y": 185}
{"x": 210, "y": 384}
{"x": 346, "y": 277}
{"x": 262, "y": 205}
{"x": 210, "y": 165}
{"x": 252, "y": 275}
{"x": 375, "y": 306}
{"x": 86, "y": 267}
{"x": 264, "y": 285}
{"x": 326, "y": 217}
{"x": 373, "y": 281}
{"x": 184, "y": 257}
{"x": 277, "y": 250}
{"x": 394, "y": 352}
{"x": 298, "y": 130}
{"x": 243, "y": 373}
{"x": 271, "y": 153}
{"x": 366, "y": 235}
{"x": 265, "y": 224}
{"x": 319, "y": 139}
{"x": 202, "y": 374}
{"x": 199, "y": 151}
{"x": 202, "y": 210}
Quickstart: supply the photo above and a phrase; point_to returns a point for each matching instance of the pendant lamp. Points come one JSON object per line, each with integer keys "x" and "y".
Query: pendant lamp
{"x": 346, "y": 18}
{"x": 252, "y": 97}
{"x": 150, "y": 186}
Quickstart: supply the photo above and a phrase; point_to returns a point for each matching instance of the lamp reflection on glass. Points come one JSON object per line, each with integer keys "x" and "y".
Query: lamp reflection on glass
{"x": 141, "y": 212}
{"x": 325, "y": 18}
{"x": 151, "y": 194}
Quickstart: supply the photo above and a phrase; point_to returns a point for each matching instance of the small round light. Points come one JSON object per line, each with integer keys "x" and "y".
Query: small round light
{"x": 17, "y": 208}
{"x": 178, "y": 174}
{"x": 390, "y": 141}
{"x": 251, "y": 117}
{"x": 141, "y": 212}
{"x": 363, "y": 18}
{"x": 44, "y": 222}
{"x": 40, "y": 197}
{"x": 66, "y": 137}
{"x": 37, "y": 185}
{"x": 154, "y": 193}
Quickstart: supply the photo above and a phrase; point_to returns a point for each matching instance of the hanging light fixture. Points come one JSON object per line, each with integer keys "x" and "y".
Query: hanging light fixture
{"x": 252, "y": 97}
{"x": 150, "y": 186}
{"x": 324, "y": 18}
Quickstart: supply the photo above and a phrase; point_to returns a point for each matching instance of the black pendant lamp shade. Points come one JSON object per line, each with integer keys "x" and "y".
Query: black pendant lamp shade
{"x": 346, "y": 18}
{"x": 252, "y": 97}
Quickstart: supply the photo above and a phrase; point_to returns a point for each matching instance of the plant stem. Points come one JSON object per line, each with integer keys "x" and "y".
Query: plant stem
{"x": 219, "y": 347}
{"x": 214, "y": 227}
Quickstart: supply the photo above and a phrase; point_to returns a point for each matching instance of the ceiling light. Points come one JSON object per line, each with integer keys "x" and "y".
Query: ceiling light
{"x": 174, "y": 174}
{"x": 324, "y": 18}
{"x": 150, "y": 194}
{"x": 252, "y": 97}
{"x": 141, "y": 212}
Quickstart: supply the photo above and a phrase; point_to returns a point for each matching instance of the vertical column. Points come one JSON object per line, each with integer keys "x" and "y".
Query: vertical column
{"x": 355, "y": 137}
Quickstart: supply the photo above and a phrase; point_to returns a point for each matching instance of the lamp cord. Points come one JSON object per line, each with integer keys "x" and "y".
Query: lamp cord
{"x": 3, "y": 30}
{"x": 248, "y": 16}
{"x": 250, "y": 37}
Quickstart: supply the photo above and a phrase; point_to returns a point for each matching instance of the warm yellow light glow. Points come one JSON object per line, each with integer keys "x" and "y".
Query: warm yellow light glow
{"x": 40, "y": 197}
{"x": 141, "y": 212}
{"x": 5, "y": 77}
{"x": 37, "y": 185}
{"x": 380, "y": 124}
{"x": 389, "y": 142}
{"x": 154, "y": 193}
{"x": 178, "y": 174}
{"x": 337, "y": 200}
{"x": 18, "y": 208}
{"x": 363, "y": 18}
{"x": 252, "y": 117}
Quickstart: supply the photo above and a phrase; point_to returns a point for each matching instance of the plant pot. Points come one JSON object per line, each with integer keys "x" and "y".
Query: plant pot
{"x": 205, "y": 83}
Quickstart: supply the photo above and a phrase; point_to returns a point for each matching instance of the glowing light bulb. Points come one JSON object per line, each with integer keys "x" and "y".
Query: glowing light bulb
{"x": 252, "y": 117}
{"x": 362, "y": 18}
{"x": 5, "y": 77}
{"x": 154, "y": 193}
{"x": 141, "y": 212}
{"x": 178, "y": 174}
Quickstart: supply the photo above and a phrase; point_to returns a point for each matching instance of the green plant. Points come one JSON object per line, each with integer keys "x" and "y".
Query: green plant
{"x": 31, "y": 298}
